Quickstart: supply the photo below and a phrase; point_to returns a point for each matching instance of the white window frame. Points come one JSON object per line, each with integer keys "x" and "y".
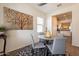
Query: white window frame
{"x": 40, "y": 24}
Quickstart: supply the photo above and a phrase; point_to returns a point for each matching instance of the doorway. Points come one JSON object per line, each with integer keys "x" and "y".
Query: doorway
{"x": 61, "y": 23}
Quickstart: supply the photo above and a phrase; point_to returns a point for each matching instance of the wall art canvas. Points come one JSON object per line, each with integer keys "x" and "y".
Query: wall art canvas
{"x": 17, "y": 20}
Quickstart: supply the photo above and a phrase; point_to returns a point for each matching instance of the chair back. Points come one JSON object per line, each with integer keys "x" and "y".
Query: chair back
{"x": 58, "y": 46}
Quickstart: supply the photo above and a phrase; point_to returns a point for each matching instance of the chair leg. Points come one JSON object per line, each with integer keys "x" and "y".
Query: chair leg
{"x": 32, "y": 51}
{"x": 46, "y": 51}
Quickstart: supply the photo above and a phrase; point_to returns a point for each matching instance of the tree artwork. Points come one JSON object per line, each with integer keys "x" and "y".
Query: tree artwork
{"x": 17, "y": 20}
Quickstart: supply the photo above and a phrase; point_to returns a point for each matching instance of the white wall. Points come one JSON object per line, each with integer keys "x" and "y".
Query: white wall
{"x": 74, "y": 24}
{"x": 54, "y": 25}
{"x": 19, "y": 38}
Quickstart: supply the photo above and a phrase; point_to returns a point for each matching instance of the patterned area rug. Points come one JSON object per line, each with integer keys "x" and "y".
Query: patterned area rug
{"x": 27, "y": 51}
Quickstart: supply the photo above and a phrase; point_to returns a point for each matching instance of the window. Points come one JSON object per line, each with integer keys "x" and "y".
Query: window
{"x": 40, "y": 24}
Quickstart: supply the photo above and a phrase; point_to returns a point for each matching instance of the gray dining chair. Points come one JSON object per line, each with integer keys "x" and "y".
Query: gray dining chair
{"x": 58, "y": 46}
{"x": 38, "y": 45}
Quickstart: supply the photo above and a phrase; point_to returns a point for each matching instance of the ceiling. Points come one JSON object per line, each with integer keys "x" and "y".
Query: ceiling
{"x": 50, "y": 7}
{"x": 64, "y": 16}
